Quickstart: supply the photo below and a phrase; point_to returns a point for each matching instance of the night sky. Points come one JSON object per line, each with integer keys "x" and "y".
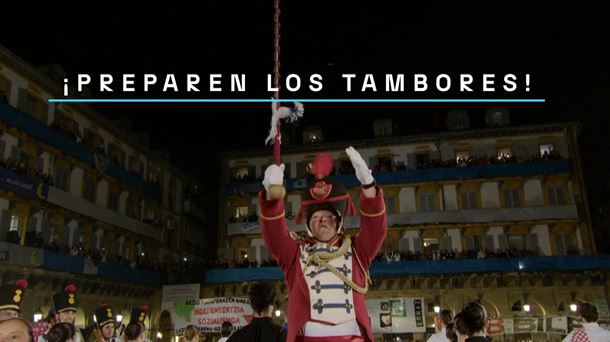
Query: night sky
{"x": 565, "y": 48}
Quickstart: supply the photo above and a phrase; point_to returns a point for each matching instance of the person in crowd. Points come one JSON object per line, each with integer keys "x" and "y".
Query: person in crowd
{"x": 15, "y": 330}
{"x": 459, "y": 327}
{"x": 450, "y": 333}
{"x": 135, "y": 332}
{"x": 475, "y": 321}
{"x": 11, "y": 297}
{"x": 191, "y": 334}
{"x": 105, "y": 323}
{"x": 226, "y": 329}
{"x": 261, "y": 328}
{"x": 590, "y": 330}
{"x": 61, "y": 332}
{"x": 444, "y": 318}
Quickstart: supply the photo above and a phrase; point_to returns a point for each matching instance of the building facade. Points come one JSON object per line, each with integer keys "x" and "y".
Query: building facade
{"x": 472, "y": 214}
{"x": 84, "y": 199}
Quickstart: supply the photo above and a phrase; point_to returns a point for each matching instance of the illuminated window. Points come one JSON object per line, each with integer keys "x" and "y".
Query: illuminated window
{"x": 241, "y": 212}
{"x": 547, "y": 149}
{"x": 462, "y": 156}
{"x": 504, "y": 152}
{"x": 15, "y": 223}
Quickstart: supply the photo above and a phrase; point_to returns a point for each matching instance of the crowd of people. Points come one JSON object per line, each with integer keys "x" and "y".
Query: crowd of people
{"x": 59, "y": 324}
{"x": 22, "y": 168}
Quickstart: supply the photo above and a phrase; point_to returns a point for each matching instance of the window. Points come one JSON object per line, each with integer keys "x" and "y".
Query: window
{"x": 427, "y": 202}
{"x": 390, "y": 205}
{"x": 26, "y": 159}
{"x": 517, "y": 242}
{"x": 117, "y": 154}
{"x": 461, "y": 157}
{"x": 32, "y": 105}
{"x": 241, "y": 173}
{"x": 5, "y": 89}
{"x": 422, "y": 160}
{"x": 468, "y": 200}
{"x": 62, "y": 174}
{"x": 241, "y": 212}
{"x": 113, "y": 200}
{"x": 89, "y": 189}
{"x": 430, "y": 244}
{"x": 15, "y": 223}
{"x": 556, "y": 195}
{"x": 473, "y": 243}
{"x": 546, "y": 149}
{"x": 563, "y": 243}
{"x": 512, "y": 198}
{"x": 504, "y": 152}
{"x": 385, "y": 164}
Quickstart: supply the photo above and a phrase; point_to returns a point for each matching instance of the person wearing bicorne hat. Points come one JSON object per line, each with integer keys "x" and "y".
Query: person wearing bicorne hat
{"x": 327, "y": 273}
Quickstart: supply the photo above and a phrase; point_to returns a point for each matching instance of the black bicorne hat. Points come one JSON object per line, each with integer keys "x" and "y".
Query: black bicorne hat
{"x": 324, "y": 193}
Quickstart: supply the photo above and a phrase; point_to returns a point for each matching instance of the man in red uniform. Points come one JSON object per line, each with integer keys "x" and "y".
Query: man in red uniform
{"x": 326, "y": 273}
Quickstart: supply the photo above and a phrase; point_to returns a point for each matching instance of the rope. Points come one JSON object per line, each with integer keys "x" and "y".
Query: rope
{"x": 321, "y": 259}
{"x": 276, "y": 77}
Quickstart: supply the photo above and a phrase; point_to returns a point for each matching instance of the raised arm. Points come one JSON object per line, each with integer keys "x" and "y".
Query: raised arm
{"x": 373, "y": 218}
{"x": 273, "y": 222}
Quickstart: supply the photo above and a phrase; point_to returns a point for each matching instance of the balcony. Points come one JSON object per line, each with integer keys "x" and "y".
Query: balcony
{"x": 435, "y": 267}
{"x": 549, "y": 212}
{"x": 428, "y": 175}
{"x": 45, "y": 134}
{"x": 55, "y": 261}
{"x": 76, "y": 204}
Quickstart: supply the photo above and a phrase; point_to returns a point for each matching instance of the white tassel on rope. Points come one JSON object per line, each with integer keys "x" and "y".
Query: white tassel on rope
{"x": 286, "y": 113}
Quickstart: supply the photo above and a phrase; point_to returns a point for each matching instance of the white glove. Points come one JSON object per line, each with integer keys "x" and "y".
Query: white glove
{"x": 274, "y": 175}
{"x": 363, "y": 173}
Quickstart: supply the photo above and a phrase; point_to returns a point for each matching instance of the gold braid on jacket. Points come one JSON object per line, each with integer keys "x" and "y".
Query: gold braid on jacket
{"x": 321, "y": 259}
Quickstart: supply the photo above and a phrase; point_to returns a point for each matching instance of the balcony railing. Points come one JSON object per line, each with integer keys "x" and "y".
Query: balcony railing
{"x": 44, "y": 133}
{"x": 435, "y": 267}
{"x": 56, "y": 261}
{"x": 427, "y": 175}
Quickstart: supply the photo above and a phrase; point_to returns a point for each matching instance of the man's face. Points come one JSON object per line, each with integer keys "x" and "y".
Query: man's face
{"x": 14, "y": 330}
{"x": 323, "y": 225}
{"x": 8, "y": 313}
{"x": 108, "y": 330}
{"x": 67, "y": 316}
{"x": 438, "y": 323}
